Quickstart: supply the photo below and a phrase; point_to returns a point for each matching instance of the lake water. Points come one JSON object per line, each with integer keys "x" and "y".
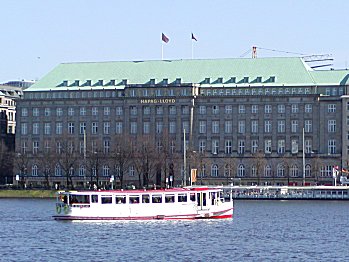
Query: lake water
{"x": 259, "y": 231}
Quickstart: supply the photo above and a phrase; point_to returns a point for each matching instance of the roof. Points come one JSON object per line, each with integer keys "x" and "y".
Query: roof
{"x": 288, "y": 71}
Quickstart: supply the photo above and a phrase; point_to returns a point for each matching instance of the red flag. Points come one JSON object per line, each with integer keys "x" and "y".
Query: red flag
{"x": 193, "y": 37}
{"x": 164, "y": 38}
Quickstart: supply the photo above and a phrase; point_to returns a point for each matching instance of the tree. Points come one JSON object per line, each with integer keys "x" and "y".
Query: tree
{"x": 259, "y": 162}
{"x": 21, "y": 164}
{"x": 121, "y": 157}
{"x": 6, "y": 163}
{"x": 315, "y": 168}
{"x": 46, "y": 163}
{"x": 231, "y": 164}
{"x": 67, "y": 159}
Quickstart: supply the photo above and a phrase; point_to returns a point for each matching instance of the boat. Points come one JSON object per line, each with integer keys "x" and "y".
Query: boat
{"x": 155, "y": 204}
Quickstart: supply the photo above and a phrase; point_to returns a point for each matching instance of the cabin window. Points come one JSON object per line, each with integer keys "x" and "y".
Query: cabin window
{"x": 156, "y": 199}
{"x": 192, "y": 196}
{"x": 134, "y": 199}
{"x": 106, "y": 199}
{"x": 94, "y": 198}
{"x": 169, "y": 198}
{"x": 120, "y": 199}
{"x": 145, "y": 198}
{"x": 182, "y": 198}
{"x": 79, "y": 199}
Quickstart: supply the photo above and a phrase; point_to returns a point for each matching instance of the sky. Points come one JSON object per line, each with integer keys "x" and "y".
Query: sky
{"x": 37, "y": 35}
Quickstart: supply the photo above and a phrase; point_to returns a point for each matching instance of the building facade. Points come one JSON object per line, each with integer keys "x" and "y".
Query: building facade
{"x": 248, "y": 121}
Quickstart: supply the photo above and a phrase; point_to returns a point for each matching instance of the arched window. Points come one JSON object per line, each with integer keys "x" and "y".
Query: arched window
{"x": 294, "y": 171}
{"x": 34, "y": 170}
{"x": 253, "y": 171}
{"x": 214, "y": 170}
{"x": 308, "y": 170}
{"x": 71, "y": 171}
{"x": 267, "y": 171}
{"x": 280, "y": 170}
{"x": 117, "y": 171}
{"x": 58, "y": 170}
{"x": 241, "y": 170}
{"x": 94, "y": 171}
{"x": 131, "y": 171}
{"x": 82, "y": 170}
{"x": 106, "y": 170}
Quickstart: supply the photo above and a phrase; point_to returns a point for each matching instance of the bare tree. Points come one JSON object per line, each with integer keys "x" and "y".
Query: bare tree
{"x": 67, "y": 159}
{"x": 231, "y": 164}
{"x": 259, "y": 162}
{"x": 6, "y": 162}
{"x": 46, "y": 163}
{"x": 21, "y": 164}
{"x": 315, "y": 168}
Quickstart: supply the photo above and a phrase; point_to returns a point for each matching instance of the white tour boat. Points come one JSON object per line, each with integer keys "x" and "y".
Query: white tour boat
{"x": 174, "y": 203}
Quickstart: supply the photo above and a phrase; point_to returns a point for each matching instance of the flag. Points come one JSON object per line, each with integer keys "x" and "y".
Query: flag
{"x": 164, "y": 38}
{"x": 193, "y": 37}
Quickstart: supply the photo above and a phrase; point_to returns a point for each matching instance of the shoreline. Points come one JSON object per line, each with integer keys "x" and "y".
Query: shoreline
{"x": 29, "y": 193}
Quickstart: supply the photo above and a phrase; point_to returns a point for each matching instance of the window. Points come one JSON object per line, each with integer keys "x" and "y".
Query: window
{"x": 254, "y": 126}
{"x": 202, "y": 110}
{"x": 35, "y": 111}
{"x": 215, "y": 127}
{"x": 308, "y": 126}
{"x": 133, "y": 110}
{"x": 202, "y": 146}
{"x": 215, "y": 146}
{"x": 241, "y": 127}
{"x": 118, "y": 127}
{"x": 82, "y": 170}
{"x": 281, "y": 109}
{"x": 172, "y": 127}
{"x": 267, "y": 109}
{"x": 172, "y": 110}
{"x": 331, "y": 126}
{"x": 281, "y": 126}
{"x": 254, "y": 146}
{"x": 159, "y": 110}
{"x": 59, "y": 128}
{"x": 281, "y": 146}
{"x": 241, "y": 170}
{"x": 280, "y": 170}
{"x": 294, "y": 108}
{"x": 294, "y": 126}
{"x": 24, "y": 128}
{"x": 185, "y": 110}
{"x": 254, "y": 109}
{"x": 294, "y": 171}
{"x": 267, "y": 171}
{"x": 215, "y": 110}
{"x": 70, "y": 111}
{"x": 94, "y": 111}
{"x": 47, "y": 128}
{"x": 294, "y": 146}
{"x": 82, "y": 128}
{"x": 202, "y": 127}
{"x": 214, "y": 170}
{"x": 308, "y": 170}
{"x": 241, "y": 146}
{"x": 35, "y": 147}
{"x": 228, "y": 109}
{"x": 24, "y": 112}
{"x": 59, "y": 111}
{"x": 267, "y": 126}
{"x": 82, "y": 111}
{"x": 118, "y": 111}
{"x": 331, "y": 108}
{"x": 308, "y": 108}
{"x": 106, "y": 170}
{"x": 70, "y": 128}
{"x": 228, "y": 146}
{"x": 228, "y": 127}
{"x": 331, "y": 146}
{"x": 159, "y": 127}
{"x": 35, "y": 128}
{"x": 133, "y": 127}
{"x": 106, "y": 128}
{"x": 242, "y": 109}
{"x": 146, "y": 110}
{"x": 94, "y": 129}
{"x": 267, "y": 146}
{"x": 106, "y": 110}
{"x": 308, "y": 146}
{"x": 146, "y": 127}
{"x": 34, "y": 170}
{"x": 185, "y": 125}
{"x": 253, "y": 171}
{"x": 47, "y": 111}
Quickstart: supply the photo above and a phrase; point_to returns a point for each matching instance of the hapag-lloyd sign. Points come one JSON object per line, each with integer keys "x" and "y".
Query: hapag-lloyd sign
{"x": 158, "y": 101}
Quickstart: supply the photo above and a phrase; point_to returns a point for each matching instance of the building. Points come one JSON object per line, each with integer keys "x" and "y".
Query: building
{"x": 248, "y": 121}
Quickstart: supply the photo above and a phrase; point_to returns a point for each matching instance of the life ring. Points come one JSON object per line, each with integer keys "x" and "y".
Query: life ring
{"x": 66, "y": 209}
{"x": 58, "y": 209}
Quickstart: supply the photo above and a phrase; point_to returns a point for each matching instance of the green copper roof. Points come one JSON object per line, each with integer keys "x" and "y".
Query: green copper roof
{"x": 288, "y": 71}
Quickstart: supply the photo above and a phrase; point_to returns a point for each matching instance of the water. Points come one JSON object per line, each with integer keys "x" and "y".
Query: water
{"x": 259, "y": 231}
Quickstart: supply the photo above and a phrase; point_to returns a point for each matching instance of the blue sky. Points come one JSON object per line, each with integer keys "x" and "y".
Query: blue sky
{"x": 37, "y": 35}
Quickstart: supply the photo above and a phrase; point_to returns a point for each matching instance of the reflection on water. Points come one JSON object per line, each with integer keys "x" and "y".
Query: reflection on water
{"x": 260, "y": 230}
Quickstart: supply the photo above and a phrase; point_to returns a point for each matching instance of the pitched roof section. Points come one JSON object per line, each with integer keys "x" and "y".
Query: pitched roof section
{"x": 288, "y": 71}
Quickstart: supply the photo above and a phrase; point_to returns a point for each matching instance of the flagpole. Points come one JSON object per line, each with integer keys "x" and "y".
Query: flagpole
{"x": 162, "y": 50}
